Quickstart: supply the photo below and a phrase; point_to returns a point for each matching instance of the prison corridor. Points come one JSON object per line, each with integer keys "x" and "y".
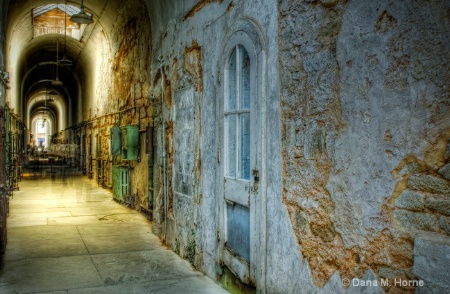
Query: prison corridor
{"x": 67, "y": 235}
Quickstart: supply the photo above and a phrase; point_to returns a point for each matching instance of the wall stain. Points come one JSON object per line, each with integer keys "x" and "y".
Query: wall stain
{"x": 199, "y": 6}
{"x": 389, "y": 252}
{"x": 192, "y": 64}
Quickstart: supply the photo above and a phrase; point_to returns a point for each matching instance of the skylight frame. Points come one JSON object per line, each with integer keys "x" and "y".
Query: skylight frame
{"x": 69, "y": 9}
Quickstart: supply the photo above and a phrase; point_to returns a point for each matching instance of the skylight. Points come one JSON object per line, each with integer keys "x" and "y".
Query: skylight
{"x": 55, "y": 19}
{"x": 69, "y": 9}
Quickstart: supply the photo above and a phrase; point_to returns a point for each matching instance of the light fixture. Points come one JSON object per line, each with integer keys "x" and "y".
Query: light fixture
{"x": 44, "y": 118}
{"x": 82, "y": 17}
{"x": 65, "y": 61}
{"x": 56, "y": 81}
{"x": 49, "y": 96}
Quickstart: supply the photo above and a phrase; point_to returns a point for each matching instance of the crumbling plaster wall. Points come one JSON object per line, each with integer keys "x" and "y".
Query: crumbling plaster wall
{"x": 114, "y": 70}
{"x": 193, "y": 37}
{"x": 365, "y": 110}
{"x": 3, "y": 10}
{"x": 3, "y": 13}
{"x": 191, "y": 217}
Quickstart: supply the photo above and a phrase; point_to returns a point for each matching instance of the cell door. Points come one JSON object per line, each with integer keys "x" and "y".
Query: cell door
{"x": 239, "y": 160}
{"x": 89, "y": 156}
{"x": 83, "y": 154}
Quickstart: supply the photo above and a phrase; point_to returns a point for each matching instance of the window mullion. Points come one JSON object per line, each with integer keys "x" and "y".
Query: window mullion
{"x": 238, "y": 147}
{"x": 238, "y": 104}
{"x": 235, "y": 112}
{"x": 238, "y": 78}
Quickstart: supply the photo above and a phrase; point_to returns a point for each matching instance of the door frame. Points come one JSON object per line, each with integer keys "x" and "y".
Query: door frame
{"x": 247, "y": 34}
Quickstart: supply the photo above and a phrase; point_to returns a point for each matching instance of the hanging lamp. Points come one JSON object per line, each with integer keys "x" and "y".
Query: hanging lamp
{"x": 81, "y": 17}
{"x": 50, "y": 95}
{"x": 65, "y": 61}
{"x": 43, "y": 111}
{"x": 56, "y": 81}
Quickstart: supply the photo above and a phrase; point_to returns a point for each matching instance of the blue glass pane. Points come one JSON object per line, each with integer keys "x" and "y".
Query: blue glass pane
{"x": 230, "y": 145}
{"x": 238, "y": 230}
{"x": 245, "y": 146}
{"x": 230, "y": 103}
{"x": 244, "y": 64}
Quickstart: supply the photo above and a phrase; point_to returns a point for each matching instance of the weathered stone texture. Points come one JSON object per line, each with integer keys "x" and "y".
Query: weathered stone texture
{"x": 184, "y": 171}
{"x": 445, "y": 224}
{"x": 440, "y": 206}
{"x": 410, "y": 200}
{"x": 184, "y": 142}
{"x": 363, "y": 94}
{"x": 447, "y": 151}
{"x": 309, "y": 81}
{"x": 431, "y": 260}
{"x": 445, "y": 171}
{"x": 417, "y": 220}
{"x": 355, "y": 286}
{"x": 429, "y": 183}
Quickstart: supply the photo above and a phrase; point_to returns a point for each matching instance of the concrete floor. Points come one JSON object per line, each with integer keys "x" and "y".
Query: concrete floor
{"x": 66, "y": 235}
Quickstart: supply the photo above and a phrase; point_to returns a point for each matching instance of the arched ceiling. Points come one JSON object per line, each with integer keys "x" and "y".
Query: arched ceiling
{"x": 31, "y": 59}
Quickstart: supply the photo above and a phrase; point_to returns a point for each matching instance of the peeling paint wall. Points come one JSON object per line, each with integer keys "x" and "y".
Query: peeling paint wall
{"x": 3, "y": 213}
{"x": 117, "y": 92}
{"x": 364, "y": 109}
{"x": 182, "y": 88}
{"x": 193, "y": 35}
{"x": 3, "y": 10}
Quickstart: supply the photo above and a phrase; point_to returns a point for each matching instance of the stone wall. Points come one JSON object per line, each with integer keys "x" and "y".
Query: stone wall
{"x": 364, "y": 108}
{"x": 190, "y": 38}
{"x": 3, "y": 10}
{"x": 181, "y": 118}
{"x": 116, "y": 90}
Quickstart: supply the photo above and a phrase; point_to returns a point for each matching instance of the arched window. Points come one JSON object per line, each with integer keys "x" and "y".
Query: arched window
{"x": 241, "y": 139}
{"x": 237, "y": 115}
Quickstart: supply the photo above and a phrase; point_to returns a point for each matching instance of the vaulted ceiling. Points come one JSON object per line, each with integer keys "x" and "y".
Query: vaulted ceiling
{"x": 39, "y": 33}
{"x": 32, "y": 37}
